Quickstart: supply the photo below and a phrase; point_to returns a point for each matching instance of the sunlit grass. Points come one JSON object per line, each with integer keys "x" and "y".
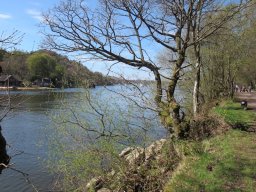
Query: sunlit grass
{"x": 228, "y": 164}
{"x": 234, "y": 114}
{"x": 223, "y": 163}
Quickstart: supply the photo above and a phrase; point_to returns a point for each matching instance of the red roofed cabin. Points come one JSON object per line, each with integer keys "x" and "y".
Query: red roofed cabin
{"x": 9, "y": 79}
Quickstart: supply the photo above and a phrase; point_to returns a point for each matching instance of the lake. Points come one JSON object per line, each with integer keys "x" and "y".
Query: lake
{"x": 28, "y": 128}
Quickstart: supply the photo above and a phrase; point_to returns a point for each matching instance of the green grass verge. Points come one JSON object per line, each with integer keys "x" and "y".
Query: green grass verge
{"x": 234, "y": 114}
{"x": 223, "y": 163}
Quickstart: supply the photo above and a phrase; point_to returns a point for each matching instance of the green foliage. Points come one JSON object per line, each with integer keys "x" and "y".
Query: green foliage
{"x": 232, "y": 62}
{"x": 220, "y": 64}
{"x": 41, "y": 65}
{"x": 15, "y": 63}
{"x": 47, "y": 64}
{"x": 83, "y": 163}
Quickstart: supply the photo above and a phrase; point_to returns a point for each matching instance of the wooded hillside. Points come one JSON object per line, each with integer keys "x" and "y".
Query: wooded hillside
{"x": 63, "y": 72}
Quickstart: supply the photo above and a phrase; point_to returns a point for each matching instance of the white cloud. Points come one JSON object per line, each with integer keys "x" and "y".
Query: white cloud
{"x": 5, "y": 16}
{"x": 35, "y": 14}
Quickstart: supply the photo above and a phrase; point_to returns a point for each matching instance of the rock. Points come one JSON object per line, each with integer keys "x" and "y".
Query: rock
{"x": 133, "y": 155}
{"x": 112, "y": 173}
{"x": 94, "y": 184}
{"x": 154, "y": 149}
{"x": 138, "y": 155}
{"x": 140, "y": 161}
{"x": 126, "y": 151}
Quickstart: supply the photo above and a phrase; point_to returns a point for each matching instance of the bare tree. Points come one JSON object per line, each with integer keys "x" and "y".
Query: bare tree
{"x": 129, "y": 32}
{"x": 9, "y": 40}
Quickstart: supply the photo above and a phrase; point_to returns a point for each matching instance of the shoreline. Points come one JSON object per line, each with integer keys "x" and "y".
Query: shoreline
{"x": 26, "y": 88}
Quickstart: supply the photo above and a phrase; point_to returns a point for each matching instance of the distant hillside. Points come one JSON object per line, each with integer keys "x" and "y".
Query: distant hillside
{"x": 63, "y": 72}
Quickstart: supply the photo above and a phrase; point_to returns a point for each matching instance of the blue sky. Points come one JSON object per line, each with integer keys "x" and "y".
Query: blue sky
{"x": 25, "y": 16}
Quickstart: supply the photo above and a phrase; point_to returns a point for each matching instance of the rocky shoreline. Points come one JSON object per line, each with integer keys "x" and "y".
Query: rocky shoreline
{"x": 142, "y": 166}
{"x": 149, "y": 168}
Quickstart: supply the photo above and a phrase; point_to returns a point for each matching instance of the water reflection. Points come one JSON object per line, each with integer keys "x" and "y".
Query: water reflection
{"x": 28, "y": 144}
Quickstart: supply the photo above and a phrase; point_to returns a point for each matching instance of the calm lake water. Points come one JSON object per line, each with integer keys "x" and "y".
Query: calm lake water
{"x": 28, "y": 128}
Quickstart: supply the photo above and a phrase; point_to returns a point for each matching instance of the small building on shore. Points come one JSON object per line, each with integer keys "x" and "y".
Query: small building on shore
{"x": 9, "y": 80}
{"x": 44, "y": 82}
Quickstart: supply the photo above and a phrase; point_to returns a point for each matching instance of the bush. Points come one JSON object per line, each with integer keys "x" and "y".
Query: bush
{"x": 203, "y": 127}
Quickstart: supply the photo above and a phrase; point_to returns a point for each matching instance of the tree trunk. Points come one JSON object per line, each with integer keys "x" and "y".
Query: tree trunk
{"x": 197, "y": 86}
{"x": 4, "y": 157}
{"x": 197, "y": 49}
{"x": 170, "y": 110}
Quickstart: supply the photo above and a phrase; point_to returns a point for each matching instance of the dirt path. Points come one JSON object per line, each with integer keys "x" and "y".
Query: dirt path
{"x": 249, "y": 97}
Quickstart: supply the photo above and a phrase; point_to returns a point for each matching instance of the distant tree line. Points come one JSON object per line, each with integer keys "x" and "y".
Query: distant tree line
{"x": 63, "y": 72}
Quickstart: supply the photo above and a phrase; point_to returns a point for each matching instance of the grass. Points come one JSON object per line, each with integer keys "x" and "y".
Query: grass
{"x": 223, "y": 163}
{"x": 234, "y": 114}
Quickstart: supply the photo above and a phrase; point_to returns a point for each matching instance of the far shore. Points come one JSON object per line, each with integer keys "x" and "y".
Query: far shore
{"x": 26, "y": 88}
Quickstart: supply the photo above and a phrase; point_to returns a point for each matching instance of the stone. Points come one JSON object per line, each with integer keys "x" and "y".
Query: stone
{"x": 94, "y": 184}
{"x": 138, "y": 155}
{"x": 133, "y": 155}
{"x": 126, "y": 151}
{"x": 154, "y": 149}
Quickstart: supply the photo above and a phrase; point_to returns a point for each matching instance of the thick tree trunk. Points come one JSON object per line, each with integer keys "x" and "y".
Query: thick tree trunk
{"x": 170, "y": 110}
{"x": 4, "y": 157}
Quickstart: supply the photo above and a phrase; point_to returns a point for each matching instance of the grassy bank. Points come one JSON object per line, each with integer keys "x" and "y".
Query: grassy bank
{"x": 234, "y": 114}
{"x": 223, "y": 163}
